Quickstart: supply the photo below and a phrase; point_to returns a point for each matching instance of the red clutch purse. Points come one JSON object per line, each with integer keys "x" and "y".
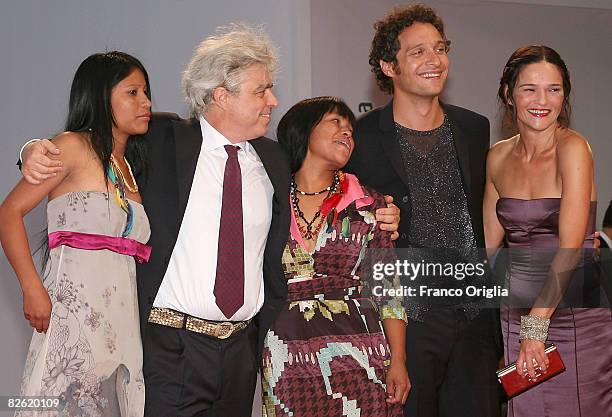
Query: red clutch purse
{"x": 514, "y": 384}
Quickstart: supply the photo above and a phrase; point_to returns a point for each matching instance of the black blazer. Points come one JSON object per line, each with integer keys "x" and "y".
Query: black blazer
{"x": 174, "y": 146}
{"x": 377, "y": 161}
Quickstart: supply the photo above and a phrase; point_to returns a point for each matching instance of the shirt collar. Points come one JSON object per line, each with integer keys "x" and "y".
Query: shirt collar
{"x": 212, "y": 139}
{"x": 605, "y": 237}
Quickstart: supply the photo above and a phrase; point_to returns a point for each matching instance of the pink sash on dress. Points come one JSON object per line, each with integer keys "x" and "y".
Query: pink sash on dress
{"x": 89, "y": 241}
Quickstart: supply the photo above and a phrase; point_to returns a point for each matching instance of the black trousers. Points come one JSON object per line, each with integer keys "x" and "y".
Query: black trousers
{"x": 451, "y": 363}
{"x": 190, "y": 374}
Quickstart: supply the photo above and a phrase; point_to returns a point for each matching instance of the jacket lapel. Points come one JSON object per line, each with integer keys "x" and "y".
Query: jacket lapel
{"x": 390, "y": 143}
{"x": 188, "y": 147}
{"x": 268, "y": 162}
{"x": 279, "y": 177}
{"x": 461, "y": 141}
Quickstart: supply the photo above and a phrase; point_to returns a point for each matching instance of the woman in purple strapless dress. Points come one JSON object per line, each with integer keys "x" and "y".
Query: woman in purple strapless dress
{"x": 540, "y": 203}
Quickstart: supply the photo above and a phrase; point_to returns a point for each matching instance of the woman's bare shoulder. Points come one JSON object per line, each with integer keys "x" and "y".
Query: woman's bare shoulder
{"x": 74, "y": 147}
{"x": 501, "y": 150}
{"x": 571, "y": 144}
{"x": 71, "y": 140}
{"x": 504, "y": 145}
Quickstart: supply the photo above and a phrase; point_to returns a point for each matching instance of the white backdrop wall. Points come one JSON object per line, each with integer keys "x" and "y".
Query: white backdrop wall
{"x": 42, "y": 42}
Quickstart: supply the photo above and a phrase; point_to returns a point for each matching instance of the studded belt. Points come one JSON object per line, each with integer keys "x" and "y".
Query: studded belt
{"x": 218, "y": 329}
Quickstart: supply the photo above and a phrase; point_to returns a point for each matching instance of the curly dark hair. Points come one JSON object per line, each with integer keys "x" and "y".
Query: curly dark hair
{"x": 386, "y": 45}
{"x": 526, "y": 55}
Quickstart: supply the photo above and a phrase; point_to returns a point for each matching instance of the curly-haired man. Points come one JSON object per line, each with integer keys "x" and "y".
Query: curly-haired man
{"x": 430, "y": 156}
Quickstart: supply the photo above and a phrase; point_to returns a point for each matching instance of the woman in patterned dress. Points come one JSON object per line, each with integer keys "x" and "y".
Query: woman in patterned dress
{"x": 86, "y": 349}
{"x": 327, "y": 354}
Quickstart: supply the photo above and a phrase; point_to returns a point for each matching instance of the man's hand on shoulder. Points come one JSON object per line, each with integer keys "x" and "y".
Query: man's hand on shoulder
{"x": 36, "y": 165}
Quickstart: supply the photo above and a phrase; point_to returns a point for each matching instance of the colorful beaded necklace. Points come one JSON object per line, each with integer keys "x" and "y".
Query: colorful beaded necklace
{"x": 119, "y": 173}
{"x": 116, "y": 177}
{"x": 311, "y": 231}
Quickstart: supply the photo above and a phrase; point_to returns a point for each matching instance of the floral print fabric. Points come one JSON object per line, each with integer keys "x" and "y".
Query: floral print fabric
{"x": 91, "y": 355}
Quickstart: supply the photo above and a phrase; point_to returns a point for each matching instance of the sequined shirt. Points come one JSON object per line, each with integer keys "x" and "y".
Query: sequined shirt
{"x": 439, "y": 209}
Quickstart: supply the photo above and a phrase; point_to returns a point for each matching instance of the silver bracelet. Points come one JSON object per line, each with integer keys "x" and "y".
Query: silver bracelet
{"x": 534, "y": 328}
{"x": 24, "y": 145}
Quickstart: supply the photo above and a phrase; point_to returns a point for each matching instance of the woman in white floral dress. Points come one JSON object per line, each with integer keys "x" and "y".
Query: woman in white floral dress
{"x": 86, "y": 350}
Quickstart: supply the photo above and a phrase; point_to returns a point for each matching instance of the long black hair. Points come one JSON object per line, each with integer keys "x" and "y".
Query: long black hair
{"x": 295, "y": 127}
{"x": 90, "y": 112}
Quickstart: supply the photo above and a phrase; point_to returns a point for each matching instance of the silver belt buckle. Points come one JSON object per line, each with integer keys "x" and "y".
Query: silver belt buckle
{"x": 224, "y": 330}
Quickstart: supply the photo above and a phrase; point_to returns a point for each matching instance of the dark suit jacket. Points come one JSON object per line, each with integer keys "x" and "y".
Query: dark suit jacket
{"x": 173, "y": 153}
{"x": 377, "y": 161}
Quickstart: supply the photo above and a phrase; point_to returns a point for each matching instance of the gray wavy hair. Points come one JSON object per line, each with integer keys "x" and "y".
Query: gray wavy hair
{"x": 220, "y": 59}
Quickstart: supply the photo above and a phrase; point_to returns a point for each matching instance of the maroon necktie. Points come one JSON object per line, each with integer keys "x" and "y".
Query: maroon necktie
{"x": 229, "y": 281}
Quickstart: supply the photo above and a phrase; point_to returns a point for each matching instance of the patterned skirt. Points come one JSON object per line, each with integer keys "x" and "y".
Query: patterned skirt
{"x": 326, "y": 358}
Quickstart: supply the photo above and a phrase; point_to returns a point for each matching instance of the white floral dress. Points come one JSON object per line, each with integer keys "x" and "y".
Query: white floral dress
{"x": 91, "y": 355}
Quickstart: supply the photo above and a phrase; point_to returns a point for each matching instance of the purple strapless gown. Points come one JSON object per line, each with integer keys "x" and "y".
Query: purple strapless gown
{"x": 582, "y": 335}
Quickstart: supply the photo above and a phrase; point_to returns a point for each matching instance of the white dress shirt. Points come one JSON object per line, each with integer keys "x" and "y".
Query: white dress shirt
{"x": 190, "y": 278}
{"x": 606, "y": 238}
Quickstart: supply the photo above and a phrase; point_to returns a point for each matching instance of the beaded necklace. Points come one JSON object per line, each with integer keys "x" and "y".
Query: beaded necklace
{"x": 328, "y": 188}
{"x": 119, "y": 173}
{"x": 116, "y": 177}
{"x": 310, "y": 231}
